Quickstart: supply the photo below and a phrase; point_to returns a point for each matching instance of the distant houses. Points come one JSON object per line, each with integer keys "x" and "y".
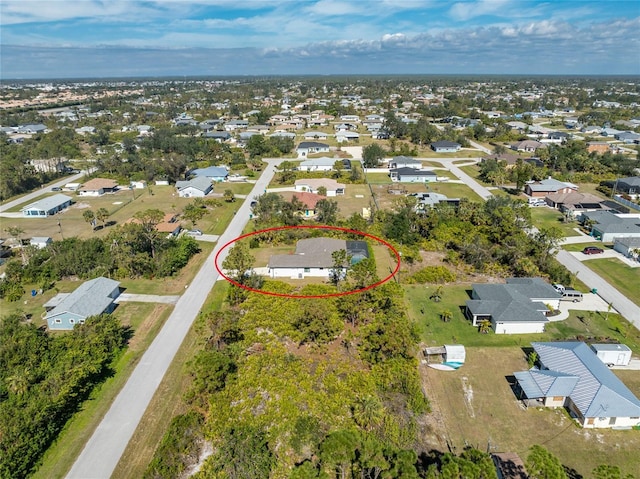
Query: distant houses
{"x": 307, "y": 148}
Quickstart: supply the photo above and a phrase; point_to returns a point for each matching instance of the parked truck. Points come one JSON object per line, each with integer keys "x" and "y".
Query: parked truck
{"x": 613, "y": 354}
{"x": 568, "y": 294}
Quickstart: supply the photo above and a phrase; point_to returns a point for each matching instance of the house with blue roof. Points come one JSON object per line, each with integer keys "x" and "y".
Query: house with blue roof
{"x": 91, "y": 298}
{"x": 571, "y": 375}
{"x": 214, "y": 173}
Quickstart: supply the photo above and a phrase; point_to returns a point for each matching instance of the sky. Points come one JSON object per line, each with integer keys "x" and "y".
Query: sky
{"x": 125, "y": 38}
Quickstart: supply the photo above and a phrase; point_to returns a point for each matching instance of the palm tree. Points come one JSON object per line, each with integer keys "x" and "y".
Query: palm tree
{"x": 16, "y": 233}
{"x": 446, "y": 315}
{"x": 484, "y": 326}
{"x": 89, "y": 217}
{"x": 437, "y": 294}
{"x": 101, "y": 215}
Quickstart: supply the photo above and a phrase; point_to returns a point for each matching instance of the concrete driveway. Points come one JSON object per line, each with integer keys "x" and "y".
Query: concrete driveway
{"x": 608, "y": 253}
{"x": 590, "y": 302}
{"x": 146, "y": 298}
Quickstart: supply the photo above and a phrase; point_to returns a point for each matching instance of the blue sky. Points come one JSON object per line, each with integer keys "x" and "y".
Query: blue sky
{"x": 98, "y": 38}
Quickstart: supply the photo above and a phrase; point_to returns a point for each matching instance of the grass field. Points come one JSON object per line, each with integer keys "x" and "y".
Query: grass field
{"x": 146, "y": 320}
{"x": 475, "y": 405}
{"x": 454, "y": 190}
{"x": 543, "y": 217}
{"x": 378, "y": 178}
{"x": 622, "y": 277}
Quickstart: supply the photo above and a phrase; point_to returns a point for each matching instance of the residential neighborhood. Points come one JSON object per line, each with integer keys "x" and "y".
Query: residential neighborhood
{"x": 360, "y": 226}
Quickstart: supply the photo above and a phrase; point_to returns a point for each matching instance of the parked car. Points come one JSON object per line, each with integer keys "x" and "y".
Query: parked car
{"x": 194, "y": 233}
{"x": 56, "y": 188}
{"x": 592, "y": 250}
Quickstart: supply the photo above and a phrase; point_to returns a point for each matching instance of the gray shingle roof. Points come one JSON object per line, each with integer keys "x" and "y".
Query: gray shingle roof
{"x": 91, "y": 298}
{"x": 202, "y": 183}
{"x": 310, "y": 253}
{"x": 598, "y": 392}
{"x": 407, "y": 171}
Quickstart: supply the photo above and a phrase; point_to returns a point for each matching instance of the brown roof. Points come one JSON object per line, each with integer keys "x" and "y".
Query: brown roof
{"x": 98, "y": 184}
{"x": 574, "y": 198}
{"x": 509, "y": 466}
{"x": 310, "y": 200}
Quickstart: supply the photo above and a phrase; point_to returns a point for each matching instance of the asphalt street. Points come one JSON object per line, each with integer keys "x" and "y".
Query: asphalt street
{"x": 102, "y": 452}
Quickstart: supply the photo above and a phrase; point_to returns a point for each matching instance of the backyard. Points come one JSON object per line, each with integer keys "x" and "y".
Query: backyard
{"x": 475, "y": 405}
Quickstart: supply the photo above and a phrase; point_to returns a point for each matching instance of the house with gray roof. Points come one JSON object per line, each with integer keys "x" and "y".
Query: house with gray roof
{"x": 607, "y": 225}
{"x": 627, "y": 246}
{"x": 318, "y": 164}
{"x": 307, "y": 148}
{"x": 46, "y": 206}
{"x": 571, "y": 375}
{"x": 426, "y": 201}
{"x": 194, "y": 188}
{"x": 91, "y": 298}
{"x": 629, "y": 185}
{"x": 520, "y": 306}
{"x": 313, "y": 258}
{"x": 219, "y": 136}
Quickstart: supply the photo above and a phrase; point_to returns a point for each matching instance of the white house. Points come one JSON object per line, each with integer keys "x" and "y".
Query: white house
{"x": 570, "y": 375}
{"x": 98, "y": 187}
{"x": 40, "y": 241}
{"x": 313, "y": 258}
{"x": 318, "y": 164}
{"x": 404, "y": 162}
{"x": 445, "y": 146}
{"x": 312, "y": 184}
{"x": 411, "y": 175}
{"x": 195, "y": 188}
{"x": 46, "y": 206}
{"x": 520, "y": 306}
{"x": 307, "y": 148}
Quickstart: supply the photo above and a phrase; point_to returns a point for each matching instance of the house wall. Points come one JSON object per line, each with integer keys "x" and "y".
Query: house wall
{"x": 555, "y": 303}
{"x": 446, "y": 150}
{"x": 315, "y": 168}
{"x": 609, "y": 237}
{"x": 64, "y": 321}
{"x": 417, "y": 179}
{"x": 299, "y": 273}
{"x": 34, "y": 213}
{"x": 190, "y": 192}
{"x": 99, "y": 192}
{"x": 554, "y": 401}
{"x": 519, "y": 327}
{"x": 607, "y": 422}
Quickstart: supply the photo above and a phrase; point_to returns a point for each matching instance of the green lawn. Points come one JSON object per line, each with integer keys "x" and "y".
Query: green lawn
{"x": 378, "y": 178}
{"x": 580, "y": 246}
{"x": 622, "y": 277}
{"x": 434, "y": 331}
{"x": 239, "y": 188}
{"x": 453, "y": 190}
{"x": 544, "y": 217}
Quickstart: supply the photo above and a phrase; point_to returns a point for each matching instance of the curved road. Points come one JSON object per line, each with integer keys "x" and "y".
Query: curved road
{"x": 102, "y": 452}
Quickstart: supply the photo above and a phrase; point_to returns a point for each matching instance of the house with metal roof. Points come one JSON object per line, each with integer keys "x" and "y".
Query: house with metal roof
{"x": 47, "y": 206}
{"x": 412, "y": 175}
{"x": 570, "y": 375}
{"x": 313, "y": 258}
{"x": 91, "y": 298}
{"x": 607, "y": 226}
{"x": 213, "y": 173}
{"x": 518, "y": 307}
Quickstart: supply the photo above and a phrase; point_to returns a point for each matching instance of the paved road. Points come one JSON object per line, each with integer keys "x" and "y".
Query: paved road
{"x": 478, "y": 146}
{"x": 41, "y": 191}
{"x": 624, "y": 306}
{"x": 103, "y": 451}
{"x": 483, "y": 192}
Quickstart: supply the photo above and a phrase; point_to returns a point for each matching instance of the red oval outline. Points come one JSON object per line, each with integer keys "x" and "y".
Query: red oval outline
{"x": 309, "y": 296}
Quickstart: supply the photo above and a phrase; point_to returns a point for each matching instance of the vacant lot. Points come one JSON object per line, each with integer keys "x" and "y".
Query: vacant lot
{"x": 622, "y": 277}
{"x": 475, "y": 405}
{"x": 544, "y": 217}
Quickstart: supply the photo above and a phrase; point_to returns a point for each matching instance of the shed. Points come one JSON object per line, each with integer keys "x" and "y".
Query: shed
{"x": 454, "y": 353}
{"x": 613, "y": 354}
{"x": 41, "y": 241}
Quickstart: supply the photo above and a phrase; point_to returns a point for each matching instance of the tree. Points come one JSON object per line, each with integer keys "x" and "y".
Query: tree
{"x": 149, "y": 219}
{"x": 541, "y": 464}
{"x": 338, "y": 166}
{"x": 239, "y": 262}
{"x": 193, "y": 213}
{"x": 341, "y": 261}
{"x": 327, "y": 211}
{"x": 229, "y": 196}
{"x": 322, "y": 190}
{"x": 89, "y": 216}
{"x": 372, "y": 155}
{"x": 446, "y": 315}
{"x": 484, "y": 326}
{"x": 436, "y": 296}
{"x": 16, "y": 233}
{"x": 244, "y": 453}
{"x": 101, "y": 215}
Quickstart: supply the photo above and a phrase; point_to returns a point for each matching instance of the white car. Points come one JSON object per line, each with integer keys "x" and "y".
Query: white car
{"x": 194, "y": 233}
